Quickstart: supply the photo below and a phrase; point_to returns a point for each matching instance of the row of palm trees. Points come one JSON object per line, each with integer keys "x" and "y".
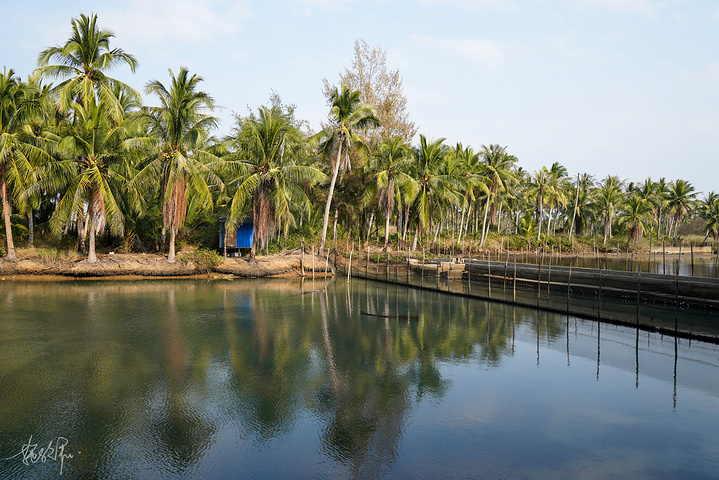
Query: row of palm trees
{"x": 87, "y": 150}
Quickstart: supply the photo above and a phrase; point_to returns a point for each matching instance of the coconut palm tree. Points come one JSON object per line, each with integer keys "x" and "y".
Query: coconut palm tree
{"x": 182, "y": 163}
{"x": 498, "y": 168}
{"x": 347, "y": 117}
{"x": 390, "y": 166}
{"x": 538, "y": 189}
{"x": 709, "y": 211}
{"x": 680, "y": 200}
{"x": 434, "y": 190}
{"x": 272, "y": 182}
{"x": 19, "y": 156}
{"x": 607, "y": 198}
{"x": 637, "y": 216}
{"x": 93, "y": 171}
{"x": 83, "y": 60}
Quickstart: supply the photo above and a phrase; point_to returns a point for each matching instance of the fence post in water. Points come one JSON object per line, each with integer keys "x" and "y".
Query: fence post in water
{"x": 664, "y": 258}
{"x": 421, "y": 281}
{"x": 679, "y": 259}
{"x": 313, "y": 262}
{"x": 691, "y": 246}
{"x": 514, "y": 284}
{"x": 549, "y": 273}
{"x": 504, "y": 279}
{"x": 676, "y": 301}
{"x": 569, "y": 284}
{"x": 599, "y": 309}
{"x": 489, "y": 278}
{"x": 539, "y": 281}
{"x": 639, "y": 289}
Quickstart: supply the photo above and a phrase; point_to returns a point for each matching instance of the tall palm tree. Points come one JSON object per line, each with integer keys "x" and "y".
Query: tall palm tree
{"x": 434, "y": 190}
{"x": 272, "y": 183}
{"x": 182, "y": 162}
{"x": 18, "y": 156}
{"x": 93, "y": 172}
{"x": 498, "y": 168}
{"x": 637, "y": 216}
{"x": 607, "y": 199}
{"x": 539, "y": 186}
{"x": 83, "y": 60}
{"x": 347, "y": 116}
{"x": 389, "y": 166}
{"x": 680, "y": 200}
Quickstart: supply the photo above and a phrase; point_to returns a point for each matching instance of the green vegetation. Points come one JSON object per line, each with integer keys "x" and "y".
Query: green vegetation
{"x": 85, "y": 159}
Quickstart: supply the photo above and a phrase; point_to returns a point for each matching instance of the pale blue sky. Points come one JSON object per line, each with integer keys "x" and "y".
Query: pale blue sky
{"x": 626, "y": 87}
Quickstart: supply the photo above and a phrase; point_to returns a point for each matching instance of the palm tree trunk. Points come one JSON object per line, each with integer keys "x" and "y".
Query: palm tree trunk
{"x": 31, "y": 229}
{"x": 10, "y": 254}
{"x": 171, "y": 252}
{"x": 386, "y": 230}
{"x": 91, "y": 258}
{"x": 329, "y": 195}
{"x": 484, "y": 224}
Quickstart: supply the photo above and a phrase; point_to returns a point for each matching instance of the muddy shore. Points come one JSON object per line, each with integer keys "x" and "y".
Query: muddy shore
{"x": 118, "y": 266}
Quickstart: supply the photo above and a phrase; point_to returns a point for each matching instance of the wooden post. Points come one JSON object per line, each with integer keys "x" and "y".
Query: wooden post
{"x": 664, "y": 258}
{"x": 679, "y": 259}
{"x": 599, "y": 314}
{"x": 569, "y": 284}
{"x": 639, "y": 289}
{"x": 313, "y": 262}
{"x": 514, "y": 284}
{"x": 691, "y": 246}
{"x": 421, "y": 282}
{"x": 489, "y": 278}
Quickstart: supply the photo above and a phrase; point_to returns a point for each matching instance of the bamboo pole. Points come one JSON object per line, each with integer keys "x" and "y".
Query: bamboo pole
{"x": 691, "y": 246}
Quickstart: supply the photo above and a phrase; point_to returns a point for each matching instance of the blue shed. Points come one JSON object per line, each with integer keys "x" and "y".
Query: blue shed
{"x": 242, "y": 238}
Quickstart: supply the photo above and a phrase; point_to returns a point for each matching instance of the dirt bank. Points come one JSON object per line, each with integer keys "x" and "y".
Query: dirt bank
{"x": 148, "y": 265}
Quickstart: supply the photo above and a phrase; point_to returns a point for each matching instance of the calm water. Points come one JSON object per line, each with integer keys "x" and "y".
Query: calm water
{"x": 254, "y": 379}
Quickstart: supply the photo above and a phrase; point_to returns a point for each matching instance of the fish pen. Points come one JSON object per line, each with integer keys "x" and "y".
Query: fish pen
{"x": 672, "y": 304}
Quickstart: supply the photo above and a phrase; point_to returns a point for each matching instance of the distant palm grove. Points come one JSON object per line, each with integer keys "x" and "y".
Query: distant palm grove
{"x": 84, "y": 163}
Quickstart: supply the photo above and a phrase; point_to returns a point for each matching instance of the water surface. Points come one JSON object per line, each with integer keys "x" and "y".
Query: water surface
{"x": 284, "y": 379}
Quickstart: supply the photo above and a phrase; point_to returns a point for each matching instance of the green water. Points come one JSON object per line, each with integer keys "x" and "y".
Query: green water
{"x": 289, "y": 379}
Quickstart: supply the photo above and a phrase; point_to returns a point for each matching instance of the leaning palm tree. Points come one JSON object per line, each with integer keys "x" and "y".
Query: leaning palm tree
{"x": 83, "y": 60}
{"x": 272, "y": 181}
{"x": 18, "y": 156}
{"x": 182, "y": 163}
{"x": 347, "y": 116}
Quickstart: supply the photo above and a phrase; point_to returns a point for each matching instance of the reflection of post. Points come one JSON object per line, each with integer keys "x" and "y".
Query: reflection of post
{"x": 676, "y": 358}
{"x": 599, "y": 312}
{"x": 636, "y": 358}
{"x": 567, "y": 340}
{"x": 599, "y": 337}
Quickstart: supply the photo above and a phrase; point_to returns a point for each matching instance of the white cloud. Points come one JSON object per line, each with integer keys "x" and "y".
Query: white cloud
{"x": 173, "y": 22}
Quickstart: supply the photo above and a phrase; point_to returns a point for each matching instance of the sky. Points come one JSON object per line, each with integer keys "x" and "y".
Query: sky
{"x": 606, "y": 87}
